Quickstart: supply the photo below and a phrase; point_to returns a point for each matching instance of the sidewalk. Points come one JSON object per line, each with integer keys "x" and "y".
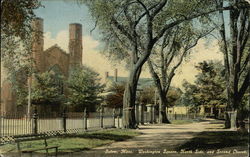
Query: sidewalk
{"x": 167, "y": 140}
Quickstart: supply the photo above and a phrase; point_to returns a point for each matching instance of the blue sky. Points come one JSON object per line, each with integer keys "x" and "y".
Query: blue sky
{"x": 58, "y": 14}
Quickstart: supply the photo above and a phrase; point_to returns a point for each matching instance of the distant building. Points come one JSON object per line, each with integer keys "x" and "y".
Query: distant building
{"x": 143, "y": 82}
{"x": 52, "y": 59}
{"x": 213, "y": 111}
{"x": 178, "y": 110}
{"x": 204, "y": 110}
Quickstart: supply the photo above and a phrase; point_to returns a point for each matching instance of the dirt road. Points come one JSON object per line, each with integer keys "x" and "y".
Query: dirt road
{"x": 166, "y": 140}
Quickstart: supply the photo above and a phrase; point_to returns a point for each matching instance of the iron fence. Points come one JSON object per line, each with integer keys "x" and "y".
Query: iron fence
{"x": 53, "y": 124}
{"x": 185, "y": 116}
{"x": 20, "y": 125}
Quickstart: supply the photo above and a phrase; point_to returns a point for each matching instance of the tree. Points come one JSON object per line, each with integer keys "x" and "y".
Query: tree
{"x": 188, "y": 97}
{"x": 16, "y": 16}
{"x": 47, "y": 89}
{"x": 173, "y": 96}
{"x": 132, "y": 28}
{"x": 210, "y": 84}
{"x": 236, "y": 53}
{"x": 115, "y": 99}
{"x": 147, "y": 95}
{"x": 209, "y": 87}
{"x": 84, "y": 89}
{"x": 163, "y": 63}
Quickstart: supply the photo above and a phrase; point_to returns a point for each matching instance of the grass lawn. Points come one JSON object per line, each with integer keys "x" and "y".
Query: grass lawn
{"x": 76, "y": 142}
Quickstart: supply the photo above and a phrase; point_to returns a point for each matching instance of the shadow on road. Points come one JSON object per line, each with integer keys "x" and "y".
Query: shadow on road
{"x": 102, "y": 136}
{"x": 216, "y": 140}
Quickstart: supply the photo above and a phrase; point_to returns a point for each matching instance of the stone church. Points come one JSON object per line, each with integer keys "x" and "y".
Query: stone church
{"x": 52, "y": 59}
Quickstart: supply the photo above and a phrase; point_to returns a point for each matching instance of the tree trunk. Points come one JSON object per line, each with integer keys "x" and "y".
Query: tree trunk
{"x": 129, "y": 98}
{"x": 162, "y": 108}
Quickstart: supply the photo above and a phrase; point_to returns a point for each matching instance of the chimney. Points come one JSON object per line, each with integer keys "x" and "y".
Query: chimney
{"x": 115, "y": 75}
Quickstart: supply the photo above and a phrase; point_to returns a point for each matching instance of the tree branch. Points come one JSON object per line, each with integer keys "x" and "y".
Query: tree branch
{"x": 158, "y": 8}
{"x": 243, "y": 67}
{"x": 154, "y": 75}
{"x": 244, "y": 86}
{"x": 167, "y": 26}
{"x": 121, "y": 28}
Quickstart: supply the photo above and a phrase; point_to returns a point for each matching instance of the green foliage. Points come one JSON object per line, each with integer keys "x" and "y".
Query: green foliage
{"x": 115, "y": 100}
{"x": 16, "y": 16}
{"x": 147, "y": 95}
{"x": 47, "y": 89}
{"x": 84, "y": 88}
{"x": 17, "y": 63}
{"x": 132, "y": 18}
{"x": 188, "y": 98}
{"x": 173, "y": 96}
{"x": 209, "y": 87}
{"x": 210, "y": 83}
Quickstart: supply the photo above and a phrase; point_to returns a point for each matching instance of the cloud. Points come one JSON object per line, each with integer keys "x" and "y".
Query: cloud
{"x": 61, "y": 39}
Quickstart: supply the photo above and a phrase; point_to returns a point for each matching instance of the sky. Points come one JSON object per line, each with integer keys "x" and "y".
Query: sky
{"x": 58, "y": 14}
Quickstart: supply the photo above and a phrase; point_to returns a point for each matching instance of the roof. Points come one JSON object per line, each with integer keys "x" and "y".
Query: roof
{"x": 57, "y": 47}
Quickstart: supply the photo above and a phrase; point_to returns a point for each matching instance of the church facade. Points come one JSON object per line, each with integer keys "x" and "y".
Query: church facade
{"x": 52, "y": 59}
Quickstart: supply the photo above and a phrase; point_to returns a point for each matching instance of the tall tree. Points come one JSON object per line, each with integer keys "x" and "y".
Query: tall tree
{"x": 132, "y": 28}
{"x": 209, "y": 88}
{"x": 233, "y": 42}
{"x": 165, "y": 60}
{"x": 210, "y": 84}
{"x": 16, "y": 16}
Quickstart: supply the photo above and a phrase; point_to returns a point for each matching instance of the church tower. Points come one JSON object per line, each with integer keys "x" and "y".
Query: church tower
{"x": 37, "y": 44}
{"x": 75, "y": 44}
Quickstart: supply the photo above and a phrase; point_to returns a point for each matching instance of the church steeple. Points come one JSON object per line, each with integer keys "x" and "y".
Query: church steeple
{"x": 75, "y": 44}
{"x": 38, "y": 43}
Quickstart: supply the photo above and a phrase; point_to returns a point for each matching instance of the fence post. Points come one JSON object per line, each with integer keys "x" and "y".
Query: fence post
{"x": 101, "y": 116}
{"x": 175, "y": 116}
{"x": 150, "y": 112}
{"x": 64, "y": 121}
{"x": 118, "y": 121}
{"x": 1, "y": 118}
{"x": 137, "y": 113}
{"x": 85, "y": 119}
{"x": 153, "y": 111}
{"x": 34, "y": 122}
{"x": 113, "y": 117}
{"x": 141, "y": 114}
